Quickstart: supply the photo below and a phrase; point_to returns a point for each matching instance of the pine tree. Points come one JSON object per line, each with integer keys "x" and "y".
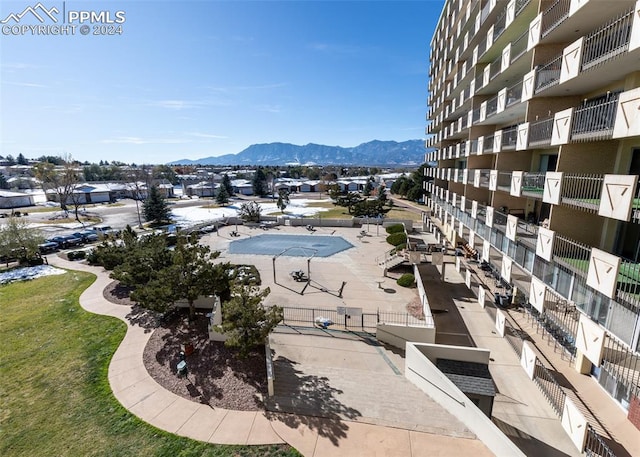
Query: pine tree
{"x": 226, "y": 182}
{"x": 222, "y": 196}
{"x": 155, "y": 207}
{"x": 260, "y": 183}
{"x": 283, "y": 200}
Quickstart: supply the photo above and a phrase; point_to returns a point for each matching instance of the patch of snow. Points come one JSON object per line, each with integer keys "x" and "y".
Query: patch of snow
{"x": 22, "y": 274}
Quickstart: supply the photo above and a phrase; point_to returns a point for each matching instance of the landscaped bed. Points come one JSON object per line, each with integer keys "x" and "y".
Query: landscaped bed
{"x": 53, "y": 381}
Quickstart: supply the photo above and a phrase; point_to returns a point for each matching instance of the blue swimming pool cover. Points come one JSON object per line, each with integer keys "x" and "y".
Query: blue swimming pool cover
{"x": 290, "y": 245}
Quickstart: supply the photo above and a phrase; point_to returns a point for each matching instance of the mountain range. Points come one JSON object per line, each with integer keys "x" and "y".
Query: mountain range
{"x": 373, "y": 153}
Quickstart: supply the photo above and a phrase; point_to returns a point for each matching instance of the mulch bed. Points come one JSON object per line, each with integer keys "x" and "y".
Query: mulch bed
{"x": 216, "y": 375}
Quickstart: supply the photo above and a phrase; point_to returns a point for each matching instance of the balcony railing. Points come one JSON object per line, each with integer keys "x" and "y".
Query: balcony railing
{"x": 519, "y": 46}
{"x": 504, "y": 180}
{"x": 607, "y": 42}
{"x": 479, "y": 80}
{"x": 629, "y": 282}
{"x": 496, "y": 68}
{"x": 540, "y": 132}
{"x": 635, "y": 215}
{"x": 471, "y": 174}
{"x": 554, "y": 16}
{"x": 459, "y": 173}
{"x": 499, "y": 25}
{"x": 548, "y": 75}
{"x": 571, "y": 254}
{"x": 520, "y": 5}
{"x": 473, "y": 148}
{"x": 582, "y": 191}
{"x": 509, "y": 138}
{"x": 488, "y": 143}
{"x": 475, "y": 117}
{"x": 514, "y": 94}
{"x": 484, "y": 178}
{"x": 492, "y": 106}
{"x": 463, "y": 148}
{"x": 595, "y": 119}
{"x": 533, "y": 184}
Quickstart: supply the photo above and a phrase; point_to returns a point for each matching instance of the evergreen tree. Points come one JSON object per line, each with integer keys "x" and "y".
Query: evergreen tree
{"x": 245, "y": 321}
{"x": 260, "y": 183}
{"x": 367, "y": 188}
{"x": 155, "y": 208}
{"x": 22, "y": 160}
{"x": 283, "y": 200}
{"x": 3, "y": 182}
{"x": 226, "y": 182}
{"x": 222, "y": 196}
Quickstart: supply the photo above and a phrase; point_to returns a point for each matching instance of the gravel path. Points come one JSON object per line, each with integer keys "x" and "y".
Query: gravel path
{"x": 216, "y": 376}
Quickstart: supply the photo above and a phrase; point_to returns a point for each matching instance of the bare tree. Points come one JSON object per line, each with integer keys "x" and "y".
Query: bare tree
{"x": 61, "y": 181}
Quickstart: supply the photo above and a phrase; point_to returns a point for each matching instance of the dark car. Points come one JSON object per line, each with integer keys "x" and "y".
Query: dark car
{"x": 66, "y": 241}
{"x": 47, "y": 247}
{"x": 88, "y": 236}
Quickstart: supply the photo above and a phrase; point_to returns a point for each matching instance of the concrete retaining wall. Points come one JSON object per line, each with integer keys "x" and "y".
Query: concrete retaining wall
{"x": 399, "y": 335}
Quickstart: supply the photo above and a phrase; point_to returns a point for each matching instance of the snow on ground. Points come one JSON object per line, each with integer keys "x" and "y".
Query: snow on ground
{"x": 21, "y": 274}
{"x": 195, "y": 215}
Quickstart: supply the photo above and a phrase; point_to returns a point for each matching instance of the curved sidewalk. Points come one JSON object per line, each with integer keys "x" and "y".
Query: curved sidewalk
{"x": 137, "y": 391}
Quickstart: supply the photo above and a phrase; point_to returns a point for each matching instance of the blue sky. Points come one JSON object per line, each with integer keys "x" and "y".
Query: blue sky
{"x": 192, "y": 79}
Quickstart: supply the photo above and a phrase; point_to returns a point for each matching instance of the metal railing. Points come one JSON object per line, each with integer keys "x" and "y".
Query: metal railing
{"x": 473, "y": 149}
{"x": 499, "y": 25}
{"x": 496, "y": 68}
{"x": 504, "y": 180}
{"x": 595, "y": 446}
{"x": 475, "y": 116}
{"x": 509, "y": 138}
{"x": 484, "y": 178}
{"x": 519, "y": 46}
{"x": 635, "y": 212}
{"x": 492, "y": 106}
{"x": 554, "y": 16}
{"x": 549, "y": 387}
{"x": 479, "y": 79}
{"x": 533, "y": 184}
{"x": 514, "y": 94}
{"x": 520, "y": 5}
{"x": 608, "y": 41}
{"x": 571, "y": 254}
{"x": 540, "y": 132}
{"x": 488, "y": 143}
{"x": 463, "y": 148}
{"x": 548, "y": 75}
{"x": 582, "y": 191}
{"x": 628, "y": 287}
{"x": 595, "y": 119}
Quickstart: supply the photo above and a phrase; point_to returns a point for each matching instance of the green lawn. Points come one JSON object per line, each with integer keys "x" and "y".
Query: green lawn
{"x": 54, "y": 394}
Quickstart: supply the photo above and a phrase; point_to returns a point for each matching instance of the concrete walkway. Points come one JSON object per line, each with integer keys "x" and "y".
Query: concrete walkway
{"x": 134, "y": 388}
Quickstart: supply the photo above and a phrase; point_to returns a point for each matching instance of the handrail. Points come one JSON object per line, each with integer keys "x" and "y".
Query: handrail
{"x": 608, "y": 41}
{"x": 555, "y": 15}
{"x": 548, "y": 75}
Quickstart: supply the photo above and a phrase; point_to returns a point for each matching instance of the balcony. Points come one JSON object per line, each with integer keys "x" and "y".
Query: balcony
{"x": 548, "y": 75}
{"x": 509, "y": 138}
{"x": 492, "y": 106}
{"x": 540, "y": 133}
{"x": 519, "y": 46}
{"x": 571, "y": 254}
{"x": 514, "y": 95}
{"x": 504, "y": 181}
{"x": 555, "y": 15}
{"x": 582, "y": 191}
{"x": 473, "y": 147}
{"x": 608, "y": 42}
{"x": 488, "y": 144}
{"x": 533, "y": 184}
{"x": 595, "y": 119}
{"x": 635, "y": 214}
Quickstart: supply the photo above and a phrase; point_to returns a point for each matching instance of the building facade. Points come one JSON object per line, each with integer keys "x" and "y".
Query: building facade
{"x": 534, "y": 114}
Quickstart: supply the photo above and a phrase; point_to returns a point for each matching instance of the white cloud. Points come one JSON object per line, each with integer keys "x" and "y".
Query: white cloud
{"x": 139, "y": 140}
{"x": 206, "y": 135}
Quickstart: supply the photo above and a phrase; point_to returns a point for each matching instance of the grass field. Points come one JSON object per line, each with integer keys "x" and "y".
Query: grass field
{"x": 339, "y": 212}
{"x": 55, "y": 397}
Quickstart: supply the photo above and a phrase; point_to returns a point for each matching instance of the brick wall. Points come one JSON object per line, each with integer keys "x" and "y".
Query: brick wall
{"x": 634, "y": 411}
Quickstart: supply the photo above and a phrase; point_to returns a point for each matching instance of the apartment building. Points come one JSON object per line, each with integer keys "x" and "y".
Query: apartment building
{"x": 534, "y": 114}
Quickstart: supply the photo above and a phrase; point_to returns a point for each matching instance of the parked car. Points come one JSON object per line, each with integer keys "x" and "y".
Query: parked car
{"x": 47, "y": 247}
{"x": 104, "y": 230}
{"x": 66, "y": 241}
{"x": 88, "y": 236}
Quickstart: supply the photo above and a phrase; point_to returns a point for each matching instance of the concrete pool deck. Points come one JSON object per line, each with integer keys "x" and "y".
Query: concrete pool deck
{"x": 365, "y": 287}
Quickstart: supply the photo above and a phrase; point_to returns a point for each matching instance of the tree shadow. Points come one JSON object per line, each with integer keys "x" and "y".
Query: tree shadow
{"x": 311, "y": 400}
{"x": 216, "y": 376}
{"x": 143, "y": 317}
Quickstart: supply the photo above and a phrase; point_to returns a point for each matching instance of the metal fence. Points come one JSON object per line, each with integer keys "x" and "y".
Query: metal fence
{"x": 555, "y": 15}
{"x": 348, "y": 319}
{"x": 549, "y": 387}
{"x": 595, "y": 445}
{"x": 608, "y": 41}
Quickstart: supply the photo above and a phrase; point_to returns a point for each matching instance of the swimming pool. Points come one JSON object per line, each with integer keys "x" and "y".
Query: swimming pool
{"x": 290, "y": 245}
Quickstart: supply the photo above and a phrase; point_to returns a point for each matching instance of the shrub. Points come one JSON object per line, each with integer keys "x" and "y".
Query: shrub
{"x": 396, "y": 239}
{"x": 395, "y": 228}
{"x": 406, "y": 280}
{"x": 400, "y": 247}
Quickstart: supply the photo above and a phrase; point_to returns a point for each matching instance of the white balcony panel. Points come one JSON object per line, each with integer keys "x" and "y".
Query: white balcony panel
{"x": 502, "y": 101}
{"x": 528, "y": 86}
{"x": 476, "y": 178}
{"x": 552, "y": 187}
{"x": 537, "y": 292}
{"x": 490, "y": 37}
{"x": 544, "y": 243}
{"x": 474, "y": 57}
{"x": 460, "y": 230}
{"x": 576, "y": 5}
{"x": 571, "y": 58}
{"x": 506, "y": 58}
{"x": 481, "y": 296}
{"x": 489, "y": 216}
{"x": 474, "y": 209}
{"x": 590, "y": 339}
{"x": 603, "y": 272}
{"x": 628, "y": 112}
{"x": 463, "y": 202}
{"x": 486, "y": 250}
{"x": 516, "y": 183}
{"x": 493, "y": 180}
{"x": 497, "y": 141}
{"x": 483, "y": 111}
{"x": 561, "y": 127}
{"x": 511, "y": 13}
{"x": 465, "y": 175}
{"x": 472, "y": 238}
{"x": 535, "y": 32}
{"x": 573, "y": 421}
{"x": 528, "y": 359}
{"x": 486, "y": 75}
{"x": 480, "y": 145}
{"x": 512, "y": 227}
{"x": 522, "y": 140}
{"x": 505, "y": 270}
{"x": 616, "y": 201}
